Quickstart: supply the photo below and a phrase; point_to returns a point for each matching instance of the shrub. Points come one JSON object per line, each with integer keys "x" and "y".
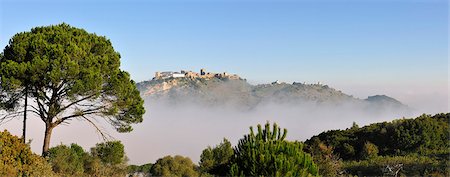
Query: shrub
{"x": 16, "y": 158}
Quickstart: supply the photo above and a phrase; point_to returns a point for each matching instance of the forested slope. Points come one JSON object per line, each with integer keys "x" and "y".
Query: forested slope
{"x": 420, "y": 145}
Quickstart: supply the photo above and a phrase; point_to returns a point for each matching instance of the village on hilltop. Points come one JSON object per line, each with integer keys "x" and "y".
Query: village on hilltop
{"x": 192, "y": 75}
{"x": 208, "y": 75}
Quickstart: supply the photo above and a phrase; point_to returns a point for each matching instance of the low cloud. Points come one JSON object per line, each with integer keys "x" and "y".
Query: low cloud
{"x": 186, "y": 129}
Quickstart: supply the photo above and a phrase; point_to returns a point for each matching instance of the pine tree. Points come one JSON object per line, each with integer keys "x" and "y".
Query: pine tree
{"x": 267, "y": 153}
{"x": 68, "y": 74}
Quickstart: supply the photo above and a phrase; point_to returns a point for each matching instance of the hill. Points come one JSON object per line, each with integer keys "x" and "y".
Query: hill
{"x": 237, "y": 92}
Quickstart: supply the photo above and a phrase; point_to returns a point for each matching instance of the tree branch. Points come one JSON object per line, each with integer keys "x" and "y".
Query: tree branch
{"x": 104, "y": 137}
{"x": 75, "y": 102}
{"x": 83, "y": 113}
{"x": 59, "y": 88}
{"x": 9, "y": 117}
{"x": 33, "y": 111}
{"x": 41, "y": 107}
{"x": 42, "y": 93}
{"x": 33, "y": 107}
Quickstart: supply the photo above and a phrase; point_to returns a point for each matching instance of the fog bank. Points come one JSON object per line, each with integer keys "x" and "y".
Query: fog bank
{"x": 187, "y": 129}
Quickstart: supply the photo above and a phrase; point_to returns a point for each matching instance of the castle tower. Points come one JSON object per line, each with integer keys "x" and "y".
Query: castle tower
{"x": 157, "y": 74}
{"x": 202, "y": 72}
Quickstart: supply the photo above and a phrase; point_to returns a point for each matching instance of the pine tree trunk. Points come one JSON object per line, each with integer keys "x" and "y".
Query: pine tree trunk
{"x": 48, "y": 135}
{"x": 25, "y": 116}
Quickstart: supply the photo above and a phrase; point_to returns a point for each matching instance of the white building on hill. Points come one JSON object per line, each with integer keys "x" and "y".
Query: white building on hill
{"x": 166, "y": 75}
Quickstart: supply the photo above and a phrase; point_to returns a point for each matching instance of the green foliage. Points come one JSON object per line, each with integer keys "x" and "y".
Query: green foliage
{"x": 70, "y": 74}
{"x": 424, "y": 134}
{"x": 74, "y": 161}
{"x": 67, "y": 160}
{"x": 111, "y": 152}
{"x": 348, "y": 150}
{"x": 174, "y": 166}
{"x": 94, "y": 167}
{"x": 146, "y": 167}
{"x": 142, "y": 169}
{"x": 216, "y": 160}
{"x": 369, "y": 150}
{"x": 266, "y": 153}
{"x": 422, "y": 145}
{"x": 16, "y": 158}
{"x": 108, "y": 159}
{"x": 411, "y": 165}
{"x": 328, "y": 162}
{"x": 9, "y": 98}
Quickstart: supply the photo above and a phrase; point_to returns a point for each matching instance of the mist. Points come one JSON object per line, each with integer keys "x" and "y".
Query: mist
{"x": 187, "y": 128}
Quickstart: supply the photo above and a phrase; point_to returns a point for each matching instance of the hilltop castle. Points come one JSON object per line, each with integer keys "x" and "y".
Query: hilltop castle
{"x": 192, "y": 75}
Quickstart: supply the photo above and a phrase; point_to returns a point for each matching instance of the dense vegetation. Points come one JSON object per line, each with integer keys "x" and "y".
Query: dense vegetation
{"x": 174, "y": 166}
{"x": 135, "y": 170}
{"x": 16, "y": 158}
{"x": 421, "y": 146}
{"x": 105, "y": 159}
{"x": 215, "y": 160}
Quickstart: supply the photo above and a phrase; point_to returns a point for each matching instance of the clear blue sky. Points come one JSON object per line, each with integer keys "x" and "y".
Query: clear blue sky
{"x": 369, "y": 47}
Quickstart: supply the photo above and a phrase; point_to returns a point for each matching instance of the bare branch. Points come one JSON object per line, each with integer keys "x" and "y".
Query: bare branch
{"x": 78, "y": 101}
{"x": 104, "y": 137}
{"x": 33, "y": 107}
{"x": 33, "y": 111}
{"x": 61, "y": 85}
{"x": 8, "y": 117}
{"x": 42, "y": 93}
{"x": 79, "y": 114}
{"x": 42, "y": 110}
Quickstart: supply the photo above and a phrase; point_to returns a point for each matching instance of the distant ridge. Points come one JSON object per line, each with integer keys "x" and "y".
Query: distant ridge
{"x": 382, "y": 98}
{"x": 212, "y": 89}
